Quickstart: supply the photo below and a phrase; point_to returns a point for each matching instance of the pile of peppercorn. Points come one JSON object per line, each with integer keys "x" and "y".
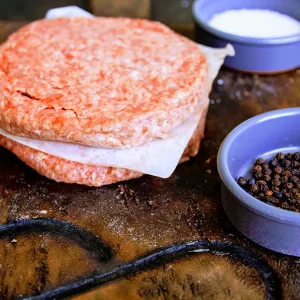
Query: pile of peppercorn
{"x": 276, "y": 182}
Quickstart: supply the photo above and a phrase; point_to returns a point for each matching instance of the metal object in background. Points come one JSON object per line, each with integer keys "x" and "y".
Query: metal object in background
{"x": 150, "y": 261}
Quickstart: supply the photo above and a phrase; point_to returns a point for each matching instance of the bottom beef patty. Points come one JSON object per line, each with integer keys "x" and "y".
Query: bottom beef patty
{"x": 62, "y": 170}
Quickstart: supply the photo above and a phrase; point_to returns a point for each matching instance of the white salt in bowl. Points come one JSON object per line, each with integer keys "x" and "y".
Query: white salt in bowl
{"x": 264, "y": 51}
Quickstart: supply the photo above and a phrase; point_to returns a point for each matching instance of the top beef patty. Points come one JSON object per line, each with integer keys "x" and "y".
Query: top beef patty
{"x": 105, "y": 82}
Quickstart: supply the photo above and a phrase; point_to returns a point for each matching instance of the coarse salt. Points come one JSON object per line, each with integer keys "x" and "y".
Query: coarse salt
{"x": 256, "y": 23}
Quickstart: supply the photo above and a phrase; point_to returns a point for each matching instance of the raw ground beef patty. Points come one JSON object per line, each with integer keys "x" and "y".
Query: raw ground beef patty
{"x": 104, "y": 82}
{"x": 62, "y": 170}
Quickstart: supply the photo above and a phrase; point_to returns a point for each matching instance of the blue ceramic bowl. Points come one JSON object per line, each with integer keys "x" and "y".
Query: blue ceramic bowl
{"x": 262, "y": 136}
{"x": 259, "y": 55}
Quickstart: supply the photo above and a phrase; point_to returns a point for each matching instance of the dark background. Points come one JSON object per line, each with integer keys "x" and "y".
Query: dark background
{"x": 175, "y": 13}
{"x": 170, "y": 11}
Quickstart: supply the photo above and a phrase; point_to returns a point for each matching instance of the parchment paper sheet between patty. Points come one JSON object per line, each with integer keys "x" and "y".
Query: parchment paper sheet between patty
{"x": 63, "y": 170}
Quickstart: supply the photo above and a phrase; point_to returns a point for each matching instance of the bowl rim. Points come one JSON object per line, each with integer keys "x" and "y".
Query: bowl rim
{"x": 241, "y": 39}
{"x": 266, "y": 210}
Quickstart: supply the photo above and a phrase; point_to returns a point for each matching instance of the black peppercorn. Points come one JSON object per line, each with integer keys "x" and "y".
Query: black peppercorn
{"x": 292, "y": 201}
{"x": 259, "y": 161}
{"x": 278, "y": 170}
{"x": 296, "y": 172}
{"x": 257, "y": 168}
{"x": 254, "y": 188}
{"x": 276, "y": 176}
{"x": 276, "y": 182}
{"x": 289, "y": 156}
{"x": 280, "y": 156}
{"x": 275, "y": 189}
{"x": 267, "y": 172}
{"x": 287, "y": 163}
{"x": 274, "y": 200}
{"x": 288, "y": 185}
{"x": 284, "y": 179}
{"x": 258, "y": 175}
{"x": 273, "y": 163}
{"x": 267, "y": 178}
{"x": 265, "y": 166}
{"x": 268, "y": 193}
{"x": 295, "y": 179}
{"x": 296, "y": 156}
{"x": 277, "y": 195}
{"x": 287, "y": 195}
{"x": 286, "y": 173}
{"x": 268, "y": 199}
{"x": 243, "y": 182}
{"x": 261, "y": 182}
{"x": 263, "y": 188}
{"x": 284, "y": 205}
{"x": 297, "y": 197}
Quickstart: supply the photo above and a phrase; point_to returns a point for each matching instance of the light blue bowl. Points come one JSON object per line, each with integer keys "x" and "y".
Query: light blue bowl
{"x": 262, "y": 136}
{"x": 260, "y": 55}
